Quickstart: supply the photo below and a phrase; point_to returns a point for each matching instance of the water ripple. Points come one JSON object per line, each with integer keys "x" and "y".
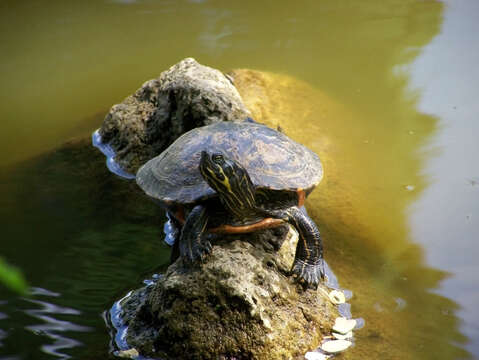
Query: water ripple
{"x": 54, "y": 328}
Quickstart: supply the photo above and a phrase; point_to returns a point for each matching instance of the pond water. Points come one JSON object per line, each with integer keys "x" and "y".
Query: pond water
{"x": 392, "y": 110}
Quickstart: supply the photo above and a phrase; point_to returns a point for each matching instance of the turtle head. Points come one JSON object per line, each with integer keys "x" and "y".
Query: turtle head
{"x": 230, "y": 180}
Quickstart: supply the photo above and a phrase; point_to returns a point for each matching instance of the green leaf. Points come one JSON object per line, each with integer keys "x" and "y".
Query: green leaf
{"x": 12, "y": 278}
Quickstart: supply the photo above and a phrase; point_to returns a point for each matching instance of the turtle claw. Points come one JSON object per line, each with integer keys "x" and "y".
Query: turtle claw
{"x": 197, "y": 250}
{"x": 205, "y": 250}
{"x": 309, "y": 273}
{"x": 208, "y": 246}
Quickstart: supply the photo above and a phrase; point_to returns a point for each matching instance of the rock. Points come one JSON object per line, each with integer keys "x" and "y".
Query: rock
{"x": 128, "y": 354}
{"x": 239, "y": 304}
{"x": 185, "y": 96}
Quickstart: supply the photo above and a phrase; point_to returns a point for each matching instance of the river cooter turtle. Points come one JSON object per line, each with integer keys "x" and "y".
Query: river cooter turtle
{"x": 237, "y": 177}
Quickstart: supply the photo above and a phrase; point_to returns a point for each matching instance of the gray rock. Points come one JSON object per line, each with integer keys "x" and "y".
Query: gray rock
{"x": 185, "y": 96}
{"x": 239, "y": 304}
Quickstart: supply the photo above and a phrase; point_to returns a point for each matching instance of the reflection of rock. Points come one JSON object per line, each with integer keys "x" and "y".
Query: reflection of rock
{"x": 72, "y": 182}
{"x": 186, "y": 96}
{"x": 239, "y": 304}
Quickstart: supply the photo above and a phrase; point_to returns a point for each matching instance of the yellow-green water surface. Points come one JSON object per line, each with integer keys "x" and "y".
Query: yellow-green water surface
{"x": 384, "y": 91}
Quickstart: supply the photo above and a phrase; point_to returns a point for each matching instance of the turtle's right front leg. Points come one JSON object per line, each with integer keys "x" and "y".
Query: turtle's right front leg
{"x": 308, "y": 261}
{"x": 192, "y": 243}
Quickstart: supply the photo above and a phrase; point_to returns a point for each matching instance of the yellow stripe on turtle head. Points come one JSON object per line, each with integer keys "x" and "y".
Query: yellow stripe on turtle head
{"x": 225, "y": 180}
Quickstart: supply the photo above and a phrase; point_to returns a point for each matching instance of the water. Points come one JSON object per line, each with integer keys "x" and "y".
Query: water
{"x": 387, "y": 99}
{"x": 106, "y": 149}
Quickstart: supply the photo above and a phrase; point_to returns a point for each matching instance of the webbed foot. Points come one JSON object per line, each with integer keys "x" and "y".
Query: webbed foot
{"x": 309, "y": 273}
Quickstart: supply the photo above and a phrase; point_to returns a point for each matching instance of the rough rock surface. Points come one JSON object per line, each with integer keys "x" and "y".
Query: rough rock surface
{"x": 240, "y": 304}
{"x": 185, "y": 96}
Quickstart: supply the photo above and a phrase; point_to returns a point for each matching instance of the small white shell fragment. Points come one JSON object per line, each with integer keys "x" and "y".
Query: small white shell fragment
{"x": 311, "y": 355}
{"x": 339, "y": 336}
{"x": 335, "y": 346}
{"x": 400, "y": 304}
{"x": 129, "y": 354}
{"x": 343, "y": 325}
{"x": 337, "y": 297}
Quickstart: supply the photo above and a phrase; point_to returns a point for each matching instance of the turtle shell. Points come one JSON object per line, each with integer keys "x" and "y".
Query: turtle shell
{"x": 272, "y": 160}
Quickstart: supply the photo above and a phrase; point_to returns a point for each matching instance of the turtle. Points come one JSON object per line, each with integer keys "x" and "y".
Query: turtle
{"x": 237, "y": 177}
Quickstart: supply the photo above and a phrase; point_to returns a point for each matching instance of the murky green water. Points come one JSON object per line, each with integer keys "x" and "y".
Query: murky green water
{"x": 393, "y": 116}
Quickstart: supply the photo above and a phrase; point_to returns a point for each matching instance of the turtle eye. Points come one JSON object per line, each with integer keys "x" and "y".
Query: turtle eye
{"x": 217, "y": 158}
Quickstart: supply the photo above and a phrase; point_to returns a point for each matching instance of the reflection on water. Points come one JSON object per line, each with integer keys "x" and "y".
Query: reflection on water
{"x": 94, "y": 234}
{"x": 445, "y": 219}
{"x": 47, "y": 324}
{"x": 53, "y": 328}
{"x": 111, "y": 164}
{"x": 88, "y": 236}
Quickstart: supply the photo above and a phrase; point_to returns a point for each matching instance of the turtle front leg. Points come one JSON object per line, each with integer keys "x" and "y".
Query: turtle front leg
{"x": 192, "y": 244}
{"x": 308, "y": 262}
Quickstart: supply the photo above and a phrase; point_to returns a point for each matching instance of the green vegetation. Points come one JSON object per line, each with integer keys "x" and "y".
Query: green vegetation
{"x": 12, "y": 277}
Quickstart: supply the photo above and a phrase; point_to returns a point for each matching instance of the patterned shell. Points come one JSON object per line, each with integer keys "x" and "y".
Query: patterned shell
{"x": 272, "y": 160}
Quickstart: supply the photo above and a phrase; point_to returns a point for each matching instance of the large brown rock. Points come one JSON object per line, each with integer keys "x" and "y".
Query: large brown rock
{"x": 185, "y": 96}
{"x": 240, "y": 304}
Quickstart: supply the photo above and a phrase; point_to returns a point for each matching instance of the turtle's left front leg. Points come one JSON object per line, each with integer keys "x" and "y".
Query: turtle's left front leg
{"x": 308, "y": 262}
{"x": 192, "y": 243}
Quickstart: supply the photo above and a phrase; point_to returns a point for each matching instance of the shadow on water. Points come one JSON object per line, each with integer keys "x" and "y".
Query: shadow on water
{"x": 85, "y": 234}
